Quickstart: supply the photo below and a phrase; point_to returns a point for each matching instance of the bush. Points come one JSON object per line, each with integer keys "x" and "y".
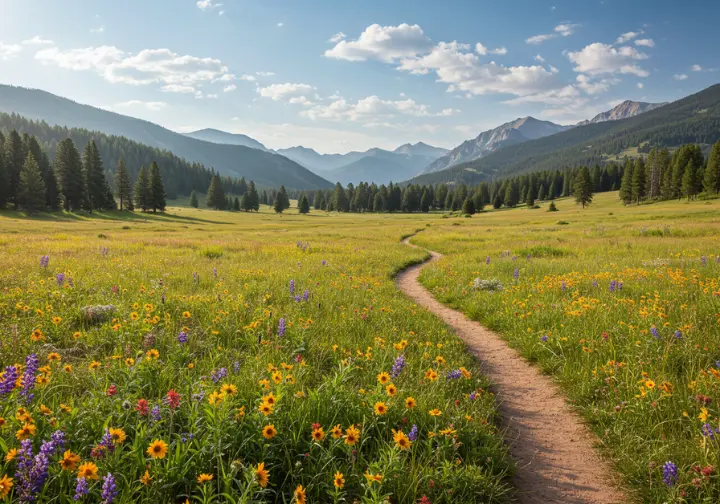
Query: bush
{"x": 212, "y": 252}
{"x": 492, "y": 285}
{"x": 552, "y": 207}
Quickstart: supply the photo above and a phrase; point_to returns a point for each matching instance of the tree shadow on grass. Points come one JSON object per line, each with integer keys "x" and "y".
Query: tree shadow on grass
{"x": 111, "y": 216}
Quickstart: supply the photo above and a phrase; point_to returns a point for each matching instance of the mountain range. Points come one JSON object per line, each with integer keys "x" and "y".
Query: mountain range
{"x": 265, "y": 168}
{"x": 623, "y": 111}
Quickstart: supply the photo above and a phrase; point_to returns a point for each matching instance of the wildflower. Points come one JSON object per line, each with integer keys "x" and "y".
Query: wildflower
{"x": 26, "y": 431}
{"x": 654, "y": 331}
{"x": 487, "y": 260}
{"x": 431, "y": 375}
{"x": 336, "y": 431}
{"x": 69, "y": 461}
{"x": 383, "y": 378}
{"x": 94, "y": 365}
{"x": 269, "y": 431}
{"x": 453, "y": 375}
{"x": 270, "y": 399}
{"x": 182, "y": 337}
{"x": 704, "y": 415}
{"x": 218, "y": 375}
{"x": 516, "y": 274}
{"x": 300, "y": 496}
{"x": 109, "y": 489}
{"x": 142, "y": 407}
{"x": 339, "y": 480}
{"x": 410, "y": 403}
{"x": 544, "y": 339}
{"x": 6, "y": 484}
{"x": 306, "y": 295}
{"x": 266, "y": 408}
{"x": 678, "y": 334}
{"x": 157, "y": 449}
{"x": 401, "y": 440}
{"x": 670, "y": 476}
{"x": 318, "y": 434}
{"x": 173, "y": 399}
{"x": 398, "y": 366}
{"x": 707, "y": 431}
{"x": 11, "y": 455}
{"x": 118, "y": 436}
{"x": 204, "y": 478}
{"x": 7, "y": 380}
{"x": 435, "y": 412}
{"x": 373, "y": 478}
{"x": 613, "y": 284}
{"x": 81, "y": 488}
{"x": 391, "y": 390}
{"x": 60, "y": 279}
{"x": 281, "y": 327}
{"x": 152, "y": 354}
{"x": 87, "y": 471}
{"x": 53, "y": 356}
{"x": 380, "y": 408}
{"x": 155, "y": 413}
{"x": 28, "y": 378}
{"x": 186, "y": 315}
{"x": 262, "y": 475}
{"x": 352, "y": 435}
{"x": 146, "y": 479}
{"x": 292, "y": 287}
{"x": 413, "y": 435}
{"x": 229, "y": 389}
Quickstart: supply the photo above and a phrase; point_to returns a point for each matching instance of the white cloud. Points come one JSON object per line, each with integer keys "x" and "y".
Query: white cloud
{"x": 538, "y": 39}
{"x": 539, "y": 59}
{"x": 640, "y": 85}
{"x": 265, "y": 74}
{"x": 645, "y": 42}
{"x": 154, "y": 106}
{"x": 208, "y": 4}
{"x": 285, "y": 92}
{"x": 463, "y": 71}
{"x": 225, "y": 78}
{"x": 177, "y": 88}
{"x": 697, "y": 68}
{"x": 337, "y": 37}
{"x": 598, "y": 58}
{"x": 371, "y": 109}
{"x": 9, "y": 51}
{"x": 482, "y": 50}
{"x": 592, "y": 87}
{"x": 229, "y": 88}
{"x": 680, "y": 77}
{"x": 562, "y": 96}
{"x": 99, "y": 29}
{"x": 627, "y": 36}
{"x": 249, "y": 78}
{"x": 36, "y": 40}
{"x": 280, "y": 25}
{"x": 384, "y": 43}
{"x": 149, "y": 66}
{"x": 566, "y": 29}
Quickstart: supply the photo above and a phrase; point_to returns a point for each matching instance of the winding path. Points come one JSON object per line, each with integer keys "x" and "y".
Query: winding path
{"x": 553, "y": 449}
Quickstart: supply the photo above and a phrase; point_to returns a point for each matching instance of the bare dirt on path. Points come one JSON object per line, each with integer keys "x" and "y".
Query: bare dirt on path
{"x": 553, "y": 449}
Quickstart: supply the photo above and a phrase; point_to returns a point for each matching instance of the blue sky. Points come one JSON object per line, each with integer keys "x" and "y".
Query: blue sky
{"x": 355, "y": 74}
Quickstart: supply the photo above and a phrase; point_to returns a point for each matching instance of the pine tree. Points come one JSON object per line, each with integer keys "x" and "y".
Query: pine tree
{"x": 142, "y": 192}
{"x": 236, "y": 204}
{"x": 14, "y": 161}
{"x": 638, "y": 181}
{"x": 425, "y": 202}
{"x": 626, "y": 194}
{"x": 31, "y": 187}
{"x": 279, "y": 204}
{"x": 512, "y": 194}
{"x": 552, "y": 192}
{"x": 339, "y": 200}
{"x": 122, "y": 184}
{"x": 282, "y": 193}
{"x": 69, "y": 173}
{"x": 541, "y": 193}
{"x": 583, "y": 187}
{"x": 552, "y": 207}
{"x": 3, "y": 175}
{"x": 157, "y": 188}
{"x": 304, "y": 205}
{"x": 194, "y": 200}
{"x": 711, "y": 180}
{"x": 253, "y": 197}
{"x": 689, "y": 180}
{"x": 245, "y": 202}
{"x": 379, "y": 202}
{"x": 96, "y": 184}
{"x": 318, "y": 203}
{"x": 216, "y": 194}
{"x": 52, "y": 192}
{"x": 468, "y": 207}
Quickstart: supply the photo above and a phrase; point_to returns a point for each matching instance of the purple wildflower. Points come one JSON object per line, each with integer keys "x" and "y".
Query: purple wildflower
{"x": 281, "y": 327}
{"x": 454, "y": 374}
{"x": 620, "y": 285}
{"x": 306, "y": 295}
{"x": 514, "y": 258}
{"x": 670, "y": 473}
{"x": 413, "y": 434}
{"x": 44, "y": 261}
{"x": 654, "y": 331}
{"x": 544, "y": 338}
{"x": 473, "y": 395}
{"x": 487, "y": 260}
{"x": 563, "y": 286}
{"x": 398, "y": 366}
{"x": 595, "y": 283}
{"x": 155, "y": 412}
{"x": 292, "y": 287}
{"x": 678, "y": 334}
{"x": 516, "y": 274}
{"x": 613, "y": 284}
{"x": 60, "y": 279}
{"x": 81, "y": 489}
{"x": 324, "y": 262}
{"x": 107, "y": 441}
{"x": 708, "y": 432}
{"x": 236, "y": 367}
{"x": 109, "y": 489}
{"x": 7, "y": 384}
{"x": 703, "y": 260}
{"x": 28, "y": 379}
{"x": 215, "y": 272}
{"x": 298, "y": 298}
{"x": 182, "y": 337}
{"x": 32, "y": 471}
{"x": 219, "y": 375}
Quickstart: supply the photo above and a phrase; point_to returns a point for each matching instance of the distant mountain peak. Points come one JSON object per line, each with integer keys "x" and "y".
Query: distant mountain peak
{"x": 223, "y": 137}
{"x": 626, "y": 109}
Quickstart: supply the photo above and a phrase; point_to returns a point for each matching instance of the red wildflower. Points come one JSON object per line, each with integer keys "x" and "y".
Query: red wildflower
{"x": 173, "y": 399}
{"x": 112, "y": 391}
{"x": 142, "y": 407}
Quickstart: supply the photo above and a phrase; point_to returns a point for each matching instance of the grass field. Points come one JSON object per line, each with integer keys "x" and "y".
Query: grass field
{"x": 223, "y": 324}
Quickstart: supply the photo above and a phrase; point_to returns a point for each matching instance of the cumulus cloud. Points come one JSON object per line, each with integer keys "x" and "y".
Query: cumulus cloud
{"x": 177, "y": 73}
{"x": 337, "y": 37}
{"x": 561, "y": 30}
{"x": 37, "y": 40}
{"x": 680, "y": 77}
{"x": 371, "y": 109}
{"x": 249, "y": 78}
{"x": 9, "y": 51}
{"x": 287, "y": 92}
{"x": 697, "y": 68}
{"x": 208, "y": 4}
{"x": 599, "y": 58}
{"x": 463, "y": 71}
{"x": 645, "y": 42}
{"x": 383, "y": 43}
{"x": 264, "y": 74}
{"x": 539, "y": 59}
{"x": 229, "y": 88}
{"x": 626, "y": 36}
{"x": 592, "y": 87}
{"x": 562, "y": 96}
{"x": 539, "y": 39}
{"x": 482, "y": 50}
{"x": 566, "y": 29}
{"x": 640, "y": 85}
{"x": 154, "y": 106}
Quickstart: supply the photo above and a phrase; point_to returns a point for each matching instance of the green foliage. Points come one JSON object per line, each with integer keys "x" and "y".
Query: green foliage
{"x": 122, "y": 185}
{"x": 711, "y": 180}
{"x": 583, "y": 187}
{"x": 215, "y": 194}
{"x": 468, "y": 207}
{"x": 157, "y": 188}
{"x": 96, "y": 185}
{"x": 304, "y": 205}
{"x": 69, "y": 173}
{"x": 143, "y": 191}
{"x": 31, "y": 186}
{"x": 552, "y": 207}
{"x": 194, "y": 200}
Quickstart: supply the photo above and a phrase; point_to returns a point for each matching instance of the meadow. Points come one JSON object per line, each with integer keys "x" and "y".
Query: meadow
{"x": 203, "y": 356}
{"x": 622, "y": 306}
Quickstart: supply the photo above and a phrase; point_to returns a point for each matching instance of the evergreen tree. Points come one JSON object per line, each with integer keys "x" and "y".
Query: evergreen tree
{"x": 236, "y": 204}
{"x": 3, "y": 175}
{"x": 253, "y": 197}
{"x": 245, "y": 202}
{"x": 279, "y": 204}
{"x": 566, "y": 183}
{"x": 468, "y": 207}
{"x": 339, "y": 200}
{"x": 242, "y": 187}
{"x": 14, "y": 160}
{"x": 583, "y": 187}
{"x": 425, "y": 202}
{"x": 541, "y": 193}
{"x": 52, "y": 192}
{"x": 626, "y": 194}
{"x": 282, "y": 193}
{"x": 304, "y": 205}
{"x": 448, "y": 204}
{"x": 512, "y": 194}
{"x": 318, "y": 203}
{"x": 122, "y": 184}
{"x": 498, "y": 201}
{"x": 194, "y": 200}
{"x": 552, "y": 207}
{"x": 552, "y": 192}
{"x": 379, "y": 203}
{"x": 96, "y": 185}
{"x": 638, "y": 181}
{"x": 711, "y": 179}
{"x": 216, "y": 194}
{"x": 479, "y": 199}
{"x": 689, "y": 180}
{"x": 31, "y": 187}
{"x": 157, "y": 188}
{"x": 69, "y": 173}
{"x": 142, "y": 192}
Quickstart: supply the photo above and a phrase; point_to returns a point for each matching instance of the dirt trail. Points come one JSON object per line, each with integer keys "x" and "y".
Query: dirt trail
{"x": 553, "y": 449}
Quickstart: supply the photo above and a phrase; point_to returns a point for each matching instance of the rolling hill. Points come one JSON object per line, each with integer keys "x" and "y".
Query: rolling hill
{"x": 694, "y": 119}
{"x": 222, "y": 137}
{"x": 265, "y": 168}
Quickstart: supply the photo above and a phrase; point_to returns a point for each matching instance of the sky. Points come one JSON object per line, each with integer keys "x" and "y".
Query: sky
{"x": 342, "y": 75}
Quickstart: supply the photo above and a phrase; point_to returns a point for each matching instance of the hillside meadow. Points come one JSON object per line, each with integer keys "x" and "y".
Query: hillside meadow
{"x": 622, "y": 306}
